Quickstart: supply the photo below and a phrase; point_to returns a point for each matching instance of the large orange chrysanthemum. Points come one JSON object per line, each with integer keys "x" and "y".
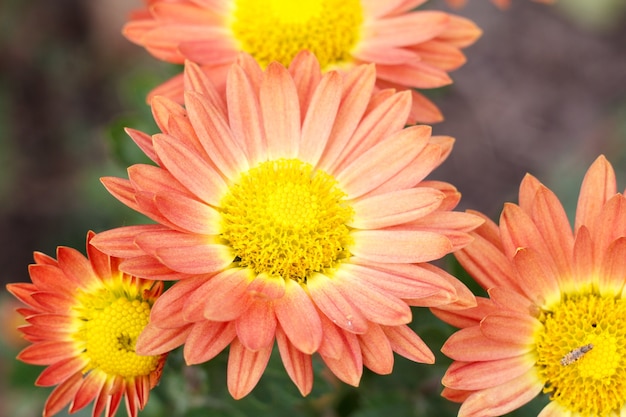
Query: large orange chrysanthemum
{"x": 410, "y": 49}
{"x": 84, "y": 317}
{"x": 555, "y": 319}
{"x": 292, "y": 208}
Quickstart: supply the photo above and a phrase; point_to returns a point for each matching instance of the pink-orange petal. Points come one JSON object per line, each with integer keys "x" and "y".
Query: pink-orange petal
{"x": 400, "y": 246}
{"x": 376, "y": 350}
{"x": 297, "y": 364}
{"x": 157, "y": 341}
{"x": 407, "y": 29}
{"x": 298, "y": 318}
{"x": 470, "y": 345}
{"x": 375, "y": 304}
{"x": 280, "y": 110}
{"x": 395, "y": 207}
{"x": 191, "y": 254}
{"x": 320, "y": 117}
{"x": 149, "y": 267}
{"x": 207, "y": 339}
{"x": 537, "y": 280}
{"x": 613, "y": 270}
{"x": 509, "y": 326}
{"x": 503, "y": 398}
{"x": 120, "y": 242}
{"x": 215, "y": 135}
{"x": 76, "y": 267}
{"x": 270, "y": 287}
{"x": 306, "y": 73}
{"x": 244, "y": 114}
{"x": 334, "y": 304}
{"x": 598, "y": 186}
{"x": 190, "y": 169}
{"x": 256, "y": 328}
{"x": 481, "y": 375}
{"x": 229, "y": 296}
{"x": 188, "y": 214}
{"x": 245, "y": 368}
{"x": 349, "y": 366}
{"x": 407, "y": 343}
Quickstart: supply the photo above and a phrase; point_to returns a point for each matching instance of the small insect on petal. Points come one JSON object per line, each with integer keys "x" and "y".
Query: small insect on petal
{"x": 575, "y": 354}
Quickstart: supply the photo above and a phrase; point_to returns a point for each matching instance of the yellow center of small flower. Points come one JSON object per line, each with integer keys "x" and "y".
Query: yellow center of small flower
{"x": 285, "y": 219}
{"x": 581, "y": 354}
{"x": 109, "y": 321}
{"x": 276, "y": 30}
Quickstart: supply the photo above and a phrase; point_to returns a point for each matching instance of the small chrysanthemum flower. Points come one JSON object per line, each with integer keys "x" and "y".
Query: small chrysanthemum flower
{"x": 411, "y": 49}
{"x": 555, "y": 319}
{"x": 292, "y": 208}
{"x": 84, "y": 317}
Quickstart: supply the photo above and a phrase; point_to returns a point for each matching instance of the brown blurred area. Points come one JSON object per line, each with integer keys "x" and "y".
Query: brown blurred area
{"x": 541, "y": 92}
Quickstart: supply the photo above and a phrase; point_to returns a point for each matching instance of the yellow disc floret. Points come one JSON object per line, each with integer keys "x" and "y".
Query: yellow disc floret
{"x": 287, "y": 220}
{"x": 109, "y": 320}
{"x": 581, "y": 354}
{"x": 276, "y": 30}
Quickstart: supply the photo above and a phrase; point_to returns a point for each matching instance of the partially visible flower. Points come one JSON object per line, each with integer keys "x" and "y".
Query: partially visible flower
{"x": 411, "y": 49}
{"x": 555, "y": 318}
{"x": 502, "y": 4}
{"x": 294, "y": 209}
{"x": 84, "y": 317}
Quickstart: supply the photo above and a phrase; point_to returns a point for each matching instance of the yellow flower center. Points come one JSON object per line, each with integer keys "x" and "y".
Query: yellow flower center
{"x": 276, "y": 30}
{"x": 287, "y": 220}
{"x": 581, "y": 354}
{"x": 109, "y": 321}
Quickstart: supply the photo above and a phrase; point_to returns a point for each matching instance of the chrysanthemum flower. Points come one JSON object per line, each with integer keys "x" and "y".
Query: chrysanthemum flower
{"x": 84, "y": 317}
{"x": 292, "y": 208}
{"x": 411, "y": 49}
{"x": 555, "y": 319}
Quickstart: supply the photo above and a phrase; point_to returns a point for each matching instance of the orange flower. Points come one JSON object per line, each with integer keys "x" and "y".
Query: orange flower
{"x": 555, "y": 319}
{"x": 291, "y": 208}
{"x": 84, "y": 317}
{"x": 411, "y": 49}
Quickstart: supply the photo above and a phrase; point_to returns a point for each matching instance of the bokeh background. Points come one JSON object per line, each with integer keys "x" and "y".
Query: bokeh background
{"x": 543, "y": 91}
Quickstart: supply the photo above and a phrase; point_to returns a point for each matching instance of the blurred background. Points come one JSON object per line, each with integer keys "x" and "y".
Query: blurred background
{"x": 543, "y": 91}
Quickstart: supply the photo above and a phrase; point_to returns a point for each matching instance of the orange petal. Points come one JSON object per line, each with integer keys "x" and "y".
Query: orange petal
{"x": 189, "y": 214}
{"x": 245, "y": 115}
{"x": 297, "y": 364}
{"x": 268, "y": 287}
{"x": 207, "y": 339}
{"x": 504, "y": 398}
{"x": 60, "y": 371}
{"x": 298, "y": 318}
{"x": 245, "y": 368}
{"x": 537, "y": 280}
{"x": 306, "y": 73}
{"x": 47, "y": 352}
{"x": 157, "y": 341}
{"x": 91, "y": 386}
{"x": 481, "y": 375}
{"x": 256, "y": 328}
{"x": 280, "y": 109}
{"x": 471, "y": 345}
{"x": 406, "y": 29}
{"x": 376, "y": 350}
{"x": 613, "y": 271}
{"x": 320, "y": 117}
{"x": 598, "y": 186}
{"x": 62, "y": 395}
{"x": 335, "y": 305}
{"x": 120, "y": 242}
{"x": 400, "y": 246}
{"x": 215, "y": 135}
{"x": 375, "y": 304}
{"x": 149, "y": 268}
{"x": 415, "y": 74}
{"x": 511, "y": 327}
{"x": 518, "y": 230}
{"x": 168, "y": 310}
{"x": 190, "y": 169}
{"x": 399, "y": 207}
{"x": 406, "y": 343}
{"x": 76, "y": 267}
{"x": 144, "y": 141}
{"x": 349, "y": 366}
{"x": 226, "y": 295}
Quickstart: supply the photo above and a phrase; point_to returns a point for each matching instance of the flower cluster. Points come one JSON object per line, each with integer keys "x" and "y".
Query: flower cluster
{"x": 291, "y": 207}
